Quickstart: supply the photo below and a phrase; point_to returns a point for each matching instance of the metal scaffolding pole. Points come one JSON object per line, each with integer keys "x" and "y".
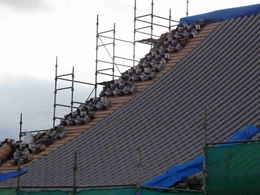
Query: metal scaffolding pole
{"x": 19, "y": 163}
{"x": 170, "y": 19}
{"x": 96, "y": 70}
{"x": 72, "y": 90}
{"x": 20, "y": 126}
{"x": 56, "y": 89}
{"x": 205, "y": 125}
{"x": 134, "y": 42}
{"x": 187, "y": 8}
{"x": 152, "y": 15}
{"x": 114, "y": 47}
{"x": 205, "y": 145}
{"x": 55, "y": 93}
{"x": 75, "y": 171}
{"x": 139, "y": 165}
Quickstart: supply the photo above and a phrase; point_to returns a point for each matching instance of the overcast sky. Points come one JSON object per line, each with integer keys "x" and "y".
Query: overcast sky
{"x": 33, "y": 32}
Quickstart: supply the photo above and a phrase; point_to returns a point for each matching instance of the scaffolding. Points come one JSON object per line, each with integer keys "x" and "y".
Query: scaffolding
{"x": 62, "y": 77}
{"x": 145, "y": 25}
{"x": 107, "y": 41}
{"x": 71, "y": 87}
{"x": 23, "y": 132}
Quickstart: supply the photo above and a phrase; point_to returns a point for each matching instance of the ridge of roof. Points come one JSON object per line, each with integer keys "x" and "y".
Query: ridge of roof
{"x": 224, "y": 14}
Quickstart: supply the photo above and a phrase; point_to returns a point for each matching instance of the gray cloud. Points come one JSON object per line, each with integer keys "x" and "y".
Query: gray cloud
{"x": 35, "y": 99}
{"x": 26, "y": 5}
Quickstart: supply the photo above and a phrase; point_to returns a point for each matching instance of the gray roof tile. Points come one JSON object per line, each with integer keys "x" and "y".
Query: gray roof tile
{"x": 167, "y": 120}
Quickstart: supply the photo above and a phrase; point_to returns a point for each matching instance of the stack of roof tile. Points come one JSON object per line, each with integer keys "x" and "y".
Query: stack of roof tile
{"x": 165, "y": 125}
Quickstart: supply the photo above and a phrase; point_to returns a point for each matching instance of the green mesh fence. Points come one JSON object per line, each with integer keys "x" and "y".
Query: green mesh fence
{"x": 98, "y": 192}
{"x": 7, "y": 192}
{"x": 59, "y": 192}
{"x": 156, "y": 192}
{"x": 46, "y": 192}
{"x": 233, "y": 170}
{"x": 107, "y": 192}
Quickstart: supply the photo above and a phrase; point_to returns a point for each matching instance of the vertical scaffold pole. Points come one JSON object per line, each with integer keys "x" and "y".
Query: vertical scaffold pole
{"x": 20, "y": 126}
{"x": 139, "y": 165}
{"x": 75, "y": 170}
{"x": 96, "y": 71}
{"x": 134, "y": 43}
{"x": 55, "y": 93}
{"x": 72, "y": 90}
{"x": 205, "y": 145}
{"x": 19, "y": 163}
{"x": 152, "y": 14}
{"x": 187, "y": 8}
{"x": 170, "y": 19}
{"x": 114, "y": 47}
{"x": 205, "y": 125}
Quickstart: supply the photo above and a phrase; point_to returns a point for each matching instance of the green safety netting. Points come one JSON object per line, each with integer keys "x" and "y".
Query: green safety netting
{"x": 233, "y": 170}
{"x": 46, "y": 192}
{"x": 122, "y": 191}
{"x": 107, "y": 192}
{"x": 156, "y": 192}
{"x": 36, "y": 192}
{"x": 59, "y": 192}
{"x": 7, "y": 192}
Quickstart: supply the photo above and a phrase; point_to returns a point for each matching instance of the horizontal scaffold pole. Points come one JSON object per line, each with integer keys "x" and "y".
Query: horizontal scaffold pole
{"x": 107, "y": 31}
{"x": 147, "y": 33}
{"x": 144, "y": 27}
{"x": 165, "y": 18}
{"x": 63, "y": 88}
{"x": 105, "y": 44}
{"x": 108, "y": 74}
{"x": 63, "y": 75}
{"x": 142, "y": 16}
{"x": 122, "y": 40}
{"x": 65, "y": 106}
{"x": 75, "y": 81}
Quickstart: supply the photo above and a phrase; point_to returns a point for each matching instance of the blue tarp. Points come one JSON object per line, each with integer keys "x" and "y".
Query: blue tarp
{"x": 221, "y": 15}
{"x": 12, "y": 174}
{"x": 180, "y": 172}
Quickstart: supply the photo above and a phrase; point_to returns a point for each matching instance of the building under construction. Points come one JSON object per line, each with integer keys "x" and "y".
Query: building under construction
{"x": 182, "y": 119}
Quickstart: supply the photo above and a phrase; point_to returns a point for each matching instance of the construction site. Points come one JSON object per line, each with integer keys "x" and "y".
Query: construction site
{"x": 181, "y": 118}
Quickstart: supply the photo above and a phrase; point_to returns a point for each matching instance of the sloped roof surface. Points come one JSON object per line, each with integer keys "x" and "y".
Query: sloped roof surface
{"x": 167, "y": 120}
{"x": 225, "y": 14}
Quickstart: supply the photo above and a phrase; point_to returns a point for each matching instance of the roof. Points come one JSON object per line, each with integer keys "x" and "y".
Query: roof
{"x": 166, "y": 122}
{"x": 182, "y": 172}
{"x": 225, "y": 14}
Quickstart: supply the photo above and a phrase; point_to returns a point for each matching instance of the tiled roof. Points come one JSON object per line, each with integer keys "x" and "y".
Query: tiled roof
{"x": 167, "y": 120}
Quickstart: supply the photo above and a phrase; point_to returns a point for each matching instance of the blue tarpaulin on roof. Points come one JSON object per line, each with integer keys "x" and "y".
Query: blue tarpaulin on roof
{"x": 180, "y": 172}
{"x": 221, "y": 15}
{"x": 12, "y": 174}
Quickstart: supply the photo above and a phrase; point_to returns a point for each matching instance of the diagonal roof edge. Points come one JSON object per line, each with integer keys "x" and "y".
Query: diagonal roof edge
{"x": 221, "y": 15}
